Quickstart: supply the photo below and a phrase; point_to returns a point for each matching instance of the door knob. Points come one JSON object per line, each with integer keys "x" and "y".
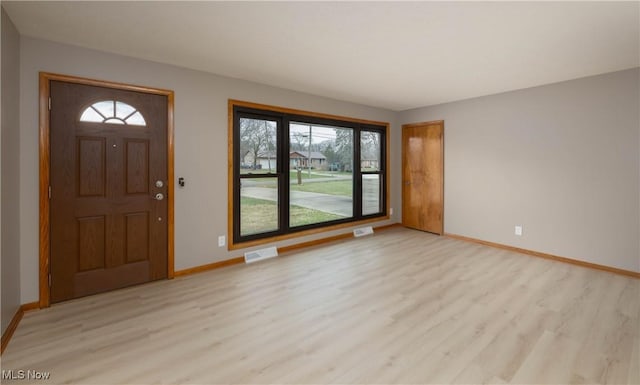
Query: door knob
{"x": 159, "y": 196}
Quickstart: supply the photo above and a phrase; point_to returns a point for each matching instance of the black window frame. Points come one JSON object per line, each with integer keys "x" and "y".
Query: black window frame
{"x": 283, "y": 121}
{"x": 382, "y": 168}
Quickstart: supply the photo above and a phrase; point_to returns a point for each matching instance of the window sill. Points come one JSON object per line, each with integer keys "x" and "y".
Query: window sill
{"x": 247, "y": 244}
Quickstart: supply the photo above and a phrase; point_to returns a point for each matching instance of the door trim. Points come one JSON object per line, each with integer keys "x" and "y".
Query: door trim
{"x": 45, "y": 170}
{"x": 420, "y": 124}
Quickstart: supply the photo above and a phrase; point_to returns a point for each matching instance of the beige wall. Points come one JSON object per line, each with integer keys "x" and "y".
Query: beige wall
{"x": 562, "y": 160}
{"x": 200, "y": 143}
{"x": 9, "y": 226}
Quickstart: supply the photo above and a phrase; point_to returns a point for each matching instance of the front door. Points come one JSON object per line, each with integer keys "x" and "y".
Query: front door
{"x": 423, "y": 176}
{"x": 108, "y": 189}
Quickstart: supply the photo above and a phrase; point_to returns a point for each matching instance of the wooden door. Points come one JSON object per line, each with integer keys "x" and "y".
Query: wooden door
{"x": 108, "y": 162}
{"x": 423, "y": 176}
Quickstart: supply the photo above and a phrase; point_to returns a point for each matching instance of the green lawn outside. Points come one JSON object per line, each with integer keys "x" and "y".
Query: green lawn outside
{"x": 293, "y": 175}
{"x": 342, "y": 187}
{"x": 259, "y": 216}
{"x": 335, "y": 187}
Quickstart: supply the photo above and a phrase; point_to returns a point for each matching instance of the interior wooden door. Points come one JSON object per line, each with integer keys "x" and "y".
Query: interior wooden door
{"x": 423, "y": 176}
{"x": 108, "y": 189}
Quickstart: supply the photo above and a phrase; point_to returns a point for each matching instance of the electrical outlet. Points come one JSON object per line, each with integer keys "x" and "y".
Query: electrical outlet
{"x": 222, "y": 240}
{"x": 518, "y": 230}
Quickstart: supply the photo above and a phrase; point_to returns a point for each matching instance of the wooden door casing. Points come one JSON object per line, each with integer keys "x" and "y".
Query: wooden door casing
{"x": 423, "y": 176}
{"x": 107, "y": 231}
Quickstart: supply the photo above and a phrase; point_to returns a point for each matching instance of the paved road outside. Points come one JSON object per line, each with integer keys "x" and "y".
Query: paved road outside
{"x": 334, "y": 204}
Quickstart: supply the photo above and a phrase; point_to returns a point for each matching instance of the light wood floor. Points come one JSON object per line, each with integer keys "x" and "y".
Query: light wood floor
{"x": 398, "y": 307}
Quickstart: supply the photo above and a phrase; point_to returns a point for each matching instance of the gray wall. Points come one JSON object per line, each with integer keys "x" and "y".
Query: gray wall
{"x": 10, "y": 225}
{"x": 200, "y": 143}
{"x": 562, "y": 160}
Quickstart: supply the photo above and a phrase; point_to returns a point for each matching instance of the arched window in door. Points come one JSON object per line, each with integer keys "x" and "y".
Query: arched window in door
{"x": 112, "y": 112}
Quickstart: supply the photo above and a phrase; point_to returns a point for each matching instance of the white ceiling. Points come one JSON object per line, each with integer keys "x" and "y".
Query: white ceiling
{"x": 395, "y": 55}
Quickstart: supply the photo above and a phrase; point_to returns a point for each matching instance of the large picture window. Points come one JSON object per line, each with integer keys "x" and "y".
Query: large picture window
{"x": 294, "y": 172}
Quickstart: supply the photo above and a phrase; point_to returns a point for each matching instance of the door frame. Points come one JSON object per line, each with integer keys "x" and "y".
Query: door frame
{"x": 420, "y": 124}
{"x": 45, "y": 170}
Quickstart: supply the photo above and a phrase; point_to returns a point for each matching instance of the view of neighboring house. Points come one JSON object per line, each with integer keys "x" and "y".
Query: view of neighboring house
{"x": 267, "y": 160}
{"x": 264, "y": 161}
{"x": 301, "y": 159}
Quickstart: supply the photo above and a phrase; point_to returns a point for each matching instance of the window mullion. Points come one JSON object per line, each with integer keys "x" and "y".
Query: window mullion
{"x": 357, "y": 175}
{"x": 236, "y": 175}
{"x": 286, "y": 183}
